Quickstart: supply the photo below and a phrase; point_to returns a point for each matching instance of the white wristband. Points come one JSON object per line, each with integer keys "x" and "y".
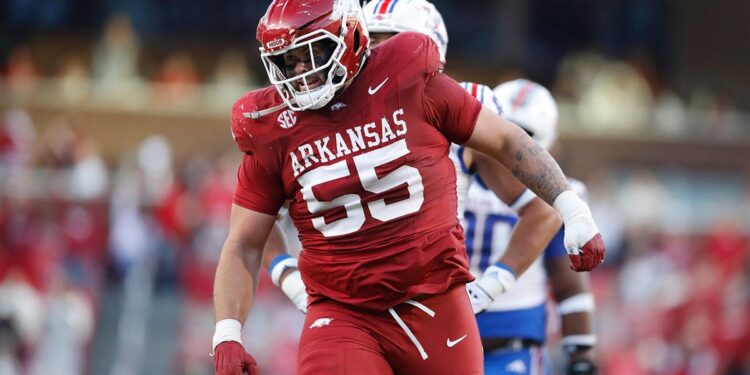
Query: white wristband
{"x": 279, "y": 268}
{"x": 583, "y": 340}
{"x": 570, "y": 205}
{"x": 227, "y": 330}
{"x": 583, "y": 302}
{"x": 496, "y": 280}
{"x": 579, "y": 224}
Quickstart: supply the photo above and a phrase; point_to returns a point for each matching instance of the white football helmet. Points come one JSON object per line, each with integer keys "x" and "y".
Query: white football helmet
{"x": 530, "y": 106}
{"x": 395, "y": 16}
{"x": 484, "y": 94}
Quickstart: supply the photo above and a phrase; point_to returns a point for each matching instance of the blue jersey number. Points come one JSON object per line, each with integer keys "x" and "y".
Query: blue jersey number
{"x": 492, "y": 227}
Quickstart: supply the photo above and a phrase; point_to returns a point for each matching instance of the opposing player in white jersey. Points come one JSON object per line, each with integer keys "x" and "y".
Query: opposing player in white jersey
{"x": 538, "y": 222}
{"x": 513, "y": 328}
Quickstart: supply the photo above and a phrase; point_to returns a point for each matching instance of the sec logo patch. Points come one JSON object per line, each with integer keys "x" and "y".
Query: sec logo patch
{"x": 287, "y": 119}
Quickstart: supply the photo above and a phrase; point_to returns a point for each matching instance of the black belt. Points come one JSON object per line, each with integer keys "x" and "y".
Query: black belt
{"x": 515, "y": 343}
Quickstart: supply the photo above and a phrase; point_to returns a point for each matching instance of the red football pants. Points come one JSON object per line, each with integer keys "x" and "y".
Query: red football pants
{"x": 339, "y": 340}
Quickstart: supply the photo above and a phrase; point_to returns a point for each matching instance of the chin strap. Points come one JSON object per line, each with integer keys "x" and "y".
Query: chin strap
{"x": 254, "y": 115}
{"x": 258, "y": 114}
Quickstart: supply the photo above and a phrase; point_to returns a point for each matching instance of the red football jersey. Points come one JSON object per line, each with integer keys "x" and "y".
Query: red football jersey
{"x": 371, "y": 188}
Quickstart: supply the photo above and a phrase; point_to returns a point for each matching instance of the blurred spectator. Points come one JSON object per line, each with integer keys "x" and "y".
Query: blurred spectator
{"x": 744, "y": 205}
{"x": 606, "y": 212}
{"x": 21, "y": 319}
{"x": 670, "y": 115}
{"x": 204, "y": 202}
{"x": 17, "y": 138}
{"x": 73, "y": 82}
{"x": 727, "y": 244}
{"x": 115, "y": 65}
{"x": 59, "y": 144}
{"x": 230, "y": 80}
{"x": 642, "y": 200}
{"x": 88, "y": 175}
{"x": 576, "y": 74}
{"x": 176, "y": 83}
{"x": 603, "y": 96}
{"x": 21, "y": 74}
{"x": 9, "y": 347}
{"x": 73, "y": 162}
{"x": 714, "y": 115}
{"x": 68, "y": 328}
{"x": 155, "y": 164}
{"x": 83, "y": 234}
{"x": 129, "y": 238}
{"x": 618, "y": 101}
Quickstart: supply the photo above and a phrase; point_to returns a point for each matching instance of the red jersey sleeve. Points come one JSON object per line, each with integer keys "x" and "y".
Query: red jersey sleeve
{"x": 450, "y": 108}
{"x": 257, "y": 188}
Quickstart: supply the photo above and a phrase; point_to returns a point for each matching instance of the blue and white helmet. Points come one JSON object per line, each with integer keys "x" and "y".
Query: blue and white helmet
{"x": 484, "y": 94}
{"x": 395, "y": 16}
{"x": 530, "y": 106}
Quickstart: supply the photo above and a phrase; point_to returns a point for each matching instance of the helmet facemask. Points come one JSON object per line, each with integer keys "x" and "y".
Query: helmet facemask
{"x": 315, "y": 87}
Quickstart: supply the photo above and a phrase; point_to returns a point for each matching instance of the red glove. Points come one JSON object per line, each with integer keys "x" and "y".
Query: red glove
{"x": 230, "y": 358}
{"x": 590, "y": 255}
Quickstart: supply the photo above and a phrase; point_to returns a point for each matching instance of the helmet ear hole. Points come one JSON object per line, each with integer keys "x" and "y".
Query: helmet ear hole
{"x": 356, "y": 45}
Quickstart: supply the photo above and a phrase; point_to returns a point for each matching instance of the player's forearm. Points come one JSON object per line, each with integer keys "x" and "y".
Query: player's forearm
{"x": 534, "y": 166}
{"x": 575, "y": 304}
{"x": 529, "y": 162}
{"x": 235, "y": 281}
{"x": 576, "y": 324}
{"x": 537, "y": 224}
{"x": 578, "y": 336}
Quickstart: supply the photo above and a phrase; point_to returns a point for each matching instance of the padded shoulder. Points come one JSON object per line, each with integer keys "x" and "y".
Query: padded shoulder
{"x": 244, "y": 128}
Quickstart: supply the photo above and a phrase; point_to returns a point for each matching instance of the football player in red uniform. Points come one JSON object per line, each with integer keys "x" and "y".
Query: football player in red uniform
{"x": 537, "y": 221}
{"x": 358, "y": 143}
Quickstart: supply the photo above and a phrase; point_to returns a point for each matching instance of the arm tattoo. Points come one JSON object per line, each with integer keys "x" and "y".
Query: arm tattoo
{"x": 536, "y": 168}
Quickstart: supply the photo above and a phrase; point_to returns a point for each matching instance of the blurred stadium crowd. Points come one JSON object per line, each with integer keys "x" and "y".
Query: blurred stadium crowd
{"x": 107, "y": 257}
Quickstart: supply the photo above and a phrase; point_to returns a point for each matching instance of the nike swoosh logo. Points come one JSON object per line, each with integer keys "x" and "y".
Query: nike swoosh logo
{"x": 454, "y": 342}
{"x": 372, "y": 91}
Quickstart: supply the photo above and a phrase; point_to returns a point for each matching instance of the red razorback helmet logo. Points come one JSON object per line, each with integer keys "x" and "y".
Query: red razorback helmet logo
{"x": 292, "y": 24}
